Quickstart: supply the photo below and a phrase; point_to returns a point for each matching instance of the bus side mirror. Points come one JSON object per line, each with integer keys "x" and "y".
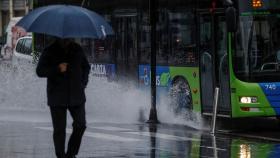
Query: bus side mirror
{"x": 231, "y": 19}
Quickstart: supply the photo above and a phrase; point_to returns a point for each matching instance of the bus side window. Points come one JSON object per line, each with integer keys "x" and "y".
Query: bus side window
{"x": 182, "y": 38}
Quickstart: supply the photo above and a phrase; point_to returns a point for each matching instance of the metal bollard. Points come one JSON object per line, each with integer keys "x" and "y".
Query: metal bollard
{"x": 214, "y": 145}
{"x": 215, "y": 106}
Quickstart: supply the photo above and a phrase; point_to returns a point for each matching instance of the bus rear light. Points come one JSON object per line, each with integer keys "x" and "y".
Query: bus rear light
{"x": 248, "y": 100}
{"x": 245, "y": 108}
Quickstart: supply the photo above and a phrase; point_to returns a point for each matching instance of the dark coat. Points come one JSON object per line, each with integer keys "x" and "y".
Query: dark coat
{"x": 64, "y": 89}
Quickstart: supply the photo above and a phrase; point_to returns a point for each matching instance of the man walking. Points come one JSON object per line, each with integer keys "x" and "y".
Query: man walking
{"x": 66, "y": 68}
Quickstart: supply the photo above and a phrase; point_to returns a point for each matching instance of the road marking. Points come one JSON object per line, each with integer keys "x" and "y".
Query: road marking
{"x": 147, "y": 134}
{"x": 163, "y": 136}
{"x": 126, "y": 131}
{"x": 109, "y": 128}
{"x": 97, "y": 135}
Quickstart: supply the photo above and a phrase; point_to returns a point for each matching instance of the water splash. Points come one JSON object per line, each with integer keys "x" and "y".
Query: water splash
{"x": 113, "y": 102}
{"x": 107, "y": 101}
{"x": 20, "y": 88}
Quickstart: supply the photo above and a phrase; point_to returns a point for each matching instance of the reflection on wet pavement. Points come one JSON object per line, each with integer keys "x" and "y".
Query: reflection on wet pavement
{"x": 34, "y": 140}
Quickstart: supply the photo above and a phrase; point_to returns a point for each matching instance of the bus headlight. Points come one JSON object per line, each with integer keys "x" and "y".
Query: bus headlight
{"x": 248, "y": 100}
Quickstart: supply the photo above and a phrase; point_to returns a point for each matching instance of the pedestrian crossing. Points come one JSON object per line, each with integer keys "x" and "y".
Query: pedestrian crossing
{"x": 104, "y": 136}
{"x": 139, "y": 139}
{"x": 112, "y": 133}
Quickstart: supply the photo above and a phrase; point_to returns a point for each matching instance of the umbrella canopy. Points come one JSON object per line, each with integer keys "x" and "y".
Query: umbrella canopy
{"x": 66, "y": 21}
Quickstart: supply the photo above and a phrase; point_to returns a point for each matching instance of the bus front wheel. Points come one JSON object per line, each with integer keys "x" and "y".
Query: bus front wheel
{"x": 180, "y": 93}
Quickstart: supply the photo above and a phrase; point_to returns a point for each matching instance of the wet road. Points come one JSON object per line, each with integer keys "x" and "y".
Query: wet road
{"x": 29, "y": 135}
{"x": 26, "y": 131}
{"x": 265, "y": 128}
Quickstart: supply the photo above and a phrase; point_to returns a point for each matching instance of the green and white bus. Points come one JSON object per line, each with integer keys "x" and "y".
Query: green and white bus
{"x": 201, "y": 44}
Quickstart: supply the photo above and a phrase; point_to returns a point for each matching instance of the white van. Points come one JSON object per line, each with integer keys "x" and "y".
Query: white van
{"x": 23, "y": 49}
{"x": 13, "y": 33}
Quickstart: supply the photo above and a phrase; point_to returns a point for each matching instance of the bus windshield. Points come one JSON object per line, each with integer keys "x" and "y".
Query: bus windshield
{"x": 257, "y": 52}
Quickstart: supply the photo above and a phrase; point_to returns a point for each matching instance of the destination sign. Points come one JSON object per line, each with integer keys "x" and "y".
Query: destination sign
{"x": 258, "y": 6}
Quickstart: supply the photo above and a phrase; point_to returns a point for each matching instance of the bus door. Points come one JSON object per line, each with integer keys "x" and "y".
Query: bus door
{"x": 214, "y": 62}
{"x": 126, "y": 51}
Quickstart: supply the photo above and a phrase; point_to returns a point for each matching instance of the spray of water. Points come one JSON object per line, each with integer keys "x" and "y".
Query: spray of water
{"x": 20, "y": 88}
{"x": 107, "y": 101}
{"x": 113, "y": 102}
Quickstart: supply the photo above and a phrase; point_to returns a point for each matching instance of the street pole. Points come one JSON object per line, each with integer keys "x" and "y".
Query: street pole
{"x": 26, "y": 5}
{"x": 11, "y": 12}
{"x": 1, "y": 24}
{"x": 153, "y": 18}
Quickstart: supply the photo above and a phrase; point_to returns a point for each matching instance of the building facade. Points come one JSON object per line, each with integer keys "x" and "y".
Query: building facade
{"x": 12, "y": 8}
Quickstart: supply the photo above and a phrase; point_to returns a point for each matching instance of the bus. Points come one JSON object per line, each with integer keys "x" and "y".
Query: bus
{"x": 201, "y": 44}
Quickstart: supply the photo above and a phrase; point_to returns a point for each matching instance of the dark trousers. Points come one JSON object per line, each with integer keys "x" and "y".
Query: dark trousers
{"x": 59, "y": 115}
